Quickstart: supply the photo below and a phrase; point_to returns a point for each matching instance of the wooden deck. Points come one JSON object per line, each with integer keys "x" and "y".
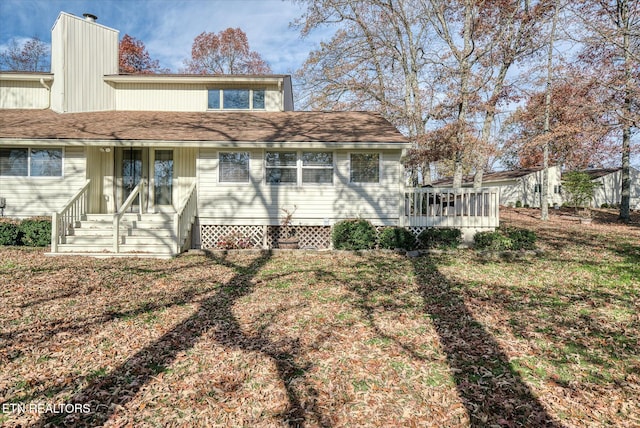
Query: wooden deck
{"x": 464, "y": 208}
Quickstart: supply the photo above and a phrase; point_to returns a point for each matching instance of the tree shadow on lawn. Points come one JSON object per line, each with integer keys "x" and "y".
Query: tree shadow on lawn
{"x": 105, "y": 394}
{"x": 492, "y": 392}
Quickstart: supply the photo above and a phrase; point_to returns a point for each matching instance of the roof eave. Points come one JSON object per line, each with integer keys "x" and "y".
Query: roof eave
{"x": 150, "y": 78}
{"x": 26, "y": 77}
{"x": 366, "y": 145}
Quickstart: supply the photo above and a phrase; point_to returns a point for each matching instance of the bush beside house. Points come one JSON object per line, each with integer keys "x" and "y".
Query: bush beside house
{"x": 358, "y": 234}
{"x": 505, "y": 239}
{"x": 30, "y": 232}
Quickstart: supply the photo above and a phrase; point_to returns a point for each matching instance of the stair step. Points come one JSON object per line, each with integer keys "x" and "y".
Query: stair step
{"x": 146, "y": 235}
{"x": 105, "y": 241}
{"x": 157, "y": 248}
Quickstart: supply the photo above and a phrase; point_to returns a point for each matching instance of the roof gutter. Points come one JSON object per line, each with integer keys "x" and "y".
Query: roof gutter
{"x": 48, "y": 88}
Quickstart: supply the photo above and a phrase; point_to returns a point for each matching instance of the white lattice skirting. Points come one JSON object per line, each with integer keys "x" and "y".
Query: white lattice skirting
{"x": 230, "y": 236}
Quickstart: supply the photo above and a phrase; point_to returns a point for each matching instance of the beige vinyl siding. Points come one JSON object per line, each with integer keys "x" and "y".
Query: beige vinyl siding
{"x": 100, "y": 172}
{"x": 610, "y": 190}
{"x": 82, "y": 53}
{"x": 23, "y": 95}
{"x": 161, "y": 97}
{"x": 184, "y": 172}
{"x": 259, "y": 203}
{"x": 179, "y": 97}
{"x": 41, "y": 196}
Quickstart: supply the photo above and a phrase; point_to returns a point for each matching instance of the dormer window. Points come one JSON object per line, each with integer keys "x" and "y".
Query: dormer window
{"x": 235, "y": 99}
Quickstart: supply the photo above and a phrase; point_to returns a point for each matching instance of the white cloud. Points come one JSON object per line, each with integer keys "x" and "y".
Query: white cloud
{"x": 168, "y": 27}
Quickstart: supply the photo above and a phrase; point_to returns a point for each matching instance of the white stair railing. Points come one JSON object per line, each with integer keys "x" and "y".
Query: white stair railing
{"x": 63, "y": 221}
{"x": 446, "y": 207}
{"x": 138, "y": 190}
{"x": 185, "y": 216}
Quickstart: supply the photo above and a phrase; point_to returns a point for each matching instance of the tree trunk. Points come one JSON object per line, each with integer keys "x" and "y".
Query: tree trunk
{"x": 544, "y": 193}
{"x": 623, "y": 7}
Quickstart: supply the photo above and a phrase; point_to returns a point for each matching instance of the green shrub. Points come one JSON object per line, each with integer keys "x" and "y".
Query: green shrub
{"x": 354, "y": 234}
{"x": 511, "y": 238}
{"x": 518, "y": 204}
{"x": 495, "y": 241}
{"x": 9, "y": 233}
{"x": 36, "y": 233}
{"x": 521, "y": 239}
{"x": 397, "y": 237}
{"x": 440, "y": 238}
{"x": 605, "y": 205}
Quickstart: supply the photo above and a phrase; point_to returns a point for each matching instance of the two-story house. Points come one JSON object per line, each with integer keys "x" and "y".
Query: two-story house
{"x": 158, "y": 163}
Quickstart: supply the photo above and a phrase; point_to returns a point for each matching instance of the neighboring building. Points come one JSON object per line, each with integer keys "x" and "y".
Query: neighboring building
{"x": 520, "y": 185}
{"x": 210, "y": 156}
{"x": 610, "y": 190}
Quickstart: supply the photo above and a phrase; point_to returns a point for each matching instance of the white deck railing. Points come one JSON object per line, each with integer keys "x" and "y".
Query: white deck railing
{"x": 444, "y": 207}
{"x": 64, "y": 220}
{"x": 138, "y": 190}
{"x": 185, "y": 216}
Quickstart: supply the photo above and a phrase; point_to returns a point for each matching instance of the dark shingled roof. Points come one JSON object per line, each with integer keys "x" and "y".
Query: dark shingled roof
{"x": 493, "y": 176}
{"x": 600, "y": 172}
{"x": 294, "y": 126}
{"x": 517, "y": 173}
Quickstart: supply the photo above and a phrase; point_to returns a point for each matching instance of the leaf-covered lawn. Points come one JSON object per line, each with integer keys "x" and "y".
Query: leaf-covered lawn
{"x": 330, "y": 339}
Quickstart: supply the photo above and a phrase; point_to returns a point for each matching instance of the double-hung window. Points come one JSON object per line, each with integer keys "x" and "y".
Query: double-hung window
{"x": 365, "y": 167}
{"x": 281, "y": 167}
{"x": 294, "y": 167}
{"x": 317, "y": 167}
{"x": 233, "y": 167}
{"x": 236, "y": 99}
{"x": 31, "y": 162}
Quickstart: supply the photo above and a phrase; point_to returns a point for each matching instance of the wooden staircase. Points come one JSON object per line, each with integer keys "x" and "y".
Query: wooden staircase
{"x": 144, "y": 235}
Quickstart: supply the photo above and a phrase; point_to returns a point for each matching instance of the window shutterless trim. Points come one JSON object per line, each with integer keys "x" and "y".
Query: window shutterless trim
{"x": 365, "y": 183}
{"x": 300, "y": 168}
{"x": 252, "y": 92}
{"x": 30, "y": 168}
{"x": 221, "y": 181}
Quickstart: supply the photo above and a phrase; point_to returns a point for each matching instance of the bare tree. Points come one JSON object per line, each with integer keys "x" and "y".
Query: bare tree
{"x": 28, "y": 55}
{"x": 376, "y": 60}
{"x": 133, "y": 57}
{"x": 227, "y": 52}
{"x": 544, "y": 194}
{"x": 612, "y": 47}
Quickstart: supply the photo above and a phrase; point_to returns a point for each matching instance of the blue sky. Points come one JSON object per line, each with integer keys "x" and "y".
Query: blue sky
{"x": 168, "y": 27}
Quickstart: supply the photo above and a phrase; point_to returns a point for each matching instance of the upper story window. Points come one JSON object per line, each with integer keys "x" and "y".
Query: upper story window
{"x": 35, "y": 162}
{"x": 236, "y": 99}
{"x": 234, "y": 167}
{"x": 365, "y": 167}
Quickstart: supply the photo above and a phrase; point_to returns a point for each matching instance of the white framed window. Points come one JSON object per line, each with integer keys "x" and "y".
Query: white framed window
{"x": 31, "y": 162}
{"x": 281, "y": 167}
{"x": 537, "y": 188}
{"x": 233, "y": 167}
{"x": 364, "y": 167}
{"x": 557, "y": 189}
{"x": 235, "y": 99}
{"x": 317, "y": 167}
{"x": 299, "y": 167}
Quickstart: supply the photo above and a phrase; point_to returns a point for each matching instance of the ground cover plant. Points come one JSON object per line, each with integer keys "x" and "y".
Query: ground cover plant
{"x": 331, "y": 339}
